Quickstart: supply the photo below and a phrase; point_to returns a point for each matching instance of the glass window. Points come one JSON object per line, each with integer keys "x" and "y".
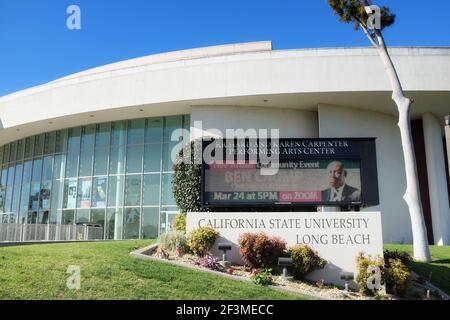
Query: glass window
{"x": 99, "y": 192}
{"x": 12, "y": 151}
{"x": 150, "y": 223}
{"x": 101, "y": 161}
{"x": 24, "y": 200}
{"x": 38, "y": 145}
{"x": 86, "y": 158}
{"x": 46, "y": 190}
{"x": 27, "y": 169}
{"x": 133, "y": 190}
{"x": 11, "y": 170}
{"x": 70, "y": 193}
{"x": 1, "y": 154}
{"x": 57, "y": 194}
{"x": 8, "y": 199}
{"x": 6, "y": 154}
{"x": 61, "y": 138}
{"x": 20, "y": 145}
{"x": 170, "y": 150}
{"x": 32, "y": 218}
{"x": 134, "y": 159}
{"x": 47, "y": 168}
{"x": 87, "y": 137}
{"x": 102, "y": 134}
{"x": 49, "y": 143}
{"x": 114, "y": 224}
{"x": 74, "y": 139}
{"x": 117, "y": 160}
{"x": 115, "y": 191}
{"x": 162, "y": 222}
{"x": 17, "y": 188}
{"x": 84, "y": 192}
{"x": 42, "y": 217}
{"x": 153, "y": 131}
{"x": 151, "y": 189}
{"x": 68, "y": 217}
{"x": 118, "y": 133}
{"x": 187, "y": 129}
{"x": 37, "y": 170}
{"x": 136, "y": 131}
{"x": 59, "y": 166}
{"x": 172, "y": 124}
{"x": 82, "y": 216}
{"x": 152, "y": 158}
{"x": 131, "y": 223}
{"x": 35, "y": 196}
{"x": 98, "y": 216}
{"x": 166, "y": 189}
{"x": 72, "y": 165}
{"x": 55, "y": 217}
{"x": 29, "y": 144}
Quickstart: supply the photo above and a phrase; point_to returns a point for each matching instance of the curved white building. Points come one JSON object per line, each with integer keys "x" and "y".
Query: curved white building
{"x": 95, "y": 146}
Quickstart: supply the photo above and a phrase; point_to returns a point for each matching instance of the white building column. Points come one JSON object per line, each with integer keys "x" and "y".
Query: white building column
{"x": 447, "y": 139}
{"x": 437, "y": 181}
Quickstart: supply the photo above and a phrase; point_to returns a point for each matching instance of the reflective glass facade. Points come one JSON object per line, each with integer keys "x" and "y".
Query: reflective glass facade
{"x": 117, "y": 174}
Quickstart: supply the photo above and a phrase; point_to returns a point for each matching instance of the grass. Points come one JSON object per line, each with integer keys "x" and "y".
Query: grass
{"x": 108, "y": 272}
{"x": 439, "y": 268}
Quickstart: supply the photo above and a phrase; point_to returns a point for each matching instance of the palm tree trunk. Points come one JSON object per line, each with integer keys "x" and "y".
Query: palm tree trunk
{"x": 412, "y": 195}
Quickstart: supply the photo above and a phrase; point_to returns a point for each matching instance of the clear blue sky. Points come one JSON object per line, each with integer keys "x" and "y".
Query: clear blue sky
{"x": 36, "y": 47}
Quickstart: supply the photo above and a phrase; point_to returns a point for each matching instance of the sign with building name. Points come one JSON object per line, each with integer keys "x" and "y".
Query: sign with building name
{"x": 337, "y": 237}
{"x": 305, "y": 172}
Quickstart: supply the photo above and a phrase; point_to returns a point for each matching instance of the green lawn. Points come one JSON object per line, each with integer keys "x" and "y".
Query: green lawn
{"x": 439, "y": 268}
{"x": 108, "y": 272}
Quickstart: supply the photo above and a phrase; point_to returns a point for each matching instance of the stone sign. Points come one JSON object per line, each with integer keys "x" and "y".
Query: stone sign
{"x": 337, "y": 237}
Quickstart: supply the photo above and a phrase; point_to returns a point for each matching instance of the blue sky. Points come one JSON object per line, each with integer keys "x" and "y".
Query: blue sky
{"x": 36, "y": 47}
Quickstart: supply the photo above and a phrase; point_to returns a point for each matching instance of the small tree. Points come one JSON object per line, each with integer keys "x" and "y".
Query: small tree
{"x": 357, "y": 12}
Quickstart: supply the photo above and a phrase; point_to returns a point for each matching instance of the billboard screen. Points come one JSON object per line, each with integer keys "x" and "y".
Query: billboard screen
{"x": 300, "y": 178}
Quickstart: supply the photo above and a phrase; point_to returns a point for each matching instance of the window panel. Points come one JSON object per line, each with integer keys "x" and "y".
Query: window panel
{"x": 70, "y": 193}
{"x": 12, "y": 151}
{"x": 113, "y": 228}
{"x": 49, "y": 143}
{"x": 84, "y": 192}
{"x": 72, "y": 165}
{"x": 86, "y": 158}
{"x": 88, "y": 137}
{"x": 102, "y": 135}
{"x": 29, "y": 144}
{"x": 38, "y": 145}
{"x": 150, "y": 223}
{"x": 134, "y": 159}
{"x": 152, "y": 158}
{"x": 101, "y": 161}
{"x": 133, "y": 190}
{"x": 170, "y": 125}
{"x": 154, "y": 129}
{"x": 136, "y": 131}
{"x": 47, "y": 168}
{"x": 131, "y": 223}
{"x": 98, "y": 216}
{"x": 117, "y": 160}
{"x": 20, "y": 147}
{"x": 99, "y": 192}
{"x": 68, "y": 217}
{"x": 35, "y": 196}
{"x": 151, "y": 191}
{"x": 115, "y": 191}
{"x": 169, "y": 150}
{"x": 61, "y": 138}
{"x": 166, "y": 189}
{"x": 74, "y": 139}
{"x": 82, "y": 216}
{"x": 59, "y": 166}
{"x": 37, "y": 170}
{"x": 118, "y": 133}
{"x": 46, "y": 189}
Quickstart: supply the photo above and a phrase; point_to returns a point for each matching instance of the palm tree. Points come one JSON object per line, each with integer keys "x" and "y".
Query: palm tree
{"x": 357, "y": 12}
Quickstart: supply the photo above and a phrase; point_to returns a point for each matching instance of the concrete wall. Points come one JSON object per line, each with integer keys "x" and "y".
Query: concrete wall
{"x": 290, "y": 123}
{"x": 337, "y": 121}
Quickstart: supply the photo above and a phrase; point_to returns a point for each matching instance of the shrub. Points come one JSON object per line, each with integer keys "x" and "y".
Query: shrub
{"x": 262, "y": 277}
{"x": 201, "y": 240}
{"x": 305, "y": 260}
{"x": 364, "y": 264}
{"x": 179, "y": 222}
{"x": 404, "y": 257}
{"x": 186, "y": 180}
{"x": 173, "y": 241}
{"x": 209, "y": 262}
{"x": 397, "y": 276}
{"x": 259, "y": 251}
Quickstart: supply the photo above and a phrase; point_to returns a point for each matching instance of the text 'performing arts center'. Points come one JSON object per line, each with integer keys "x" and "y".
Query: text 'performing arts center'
{"x": 96, "y": 146}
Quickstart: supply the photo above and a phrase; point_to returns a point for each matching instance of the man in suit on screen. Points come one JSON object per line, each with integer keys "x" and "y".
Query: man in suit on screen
{"x": 339, "y": 190}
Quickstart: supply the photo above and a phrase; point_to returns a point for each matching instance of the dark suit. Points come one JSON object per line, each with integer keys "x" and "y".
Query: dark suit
{"x": 349, "y": 194}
